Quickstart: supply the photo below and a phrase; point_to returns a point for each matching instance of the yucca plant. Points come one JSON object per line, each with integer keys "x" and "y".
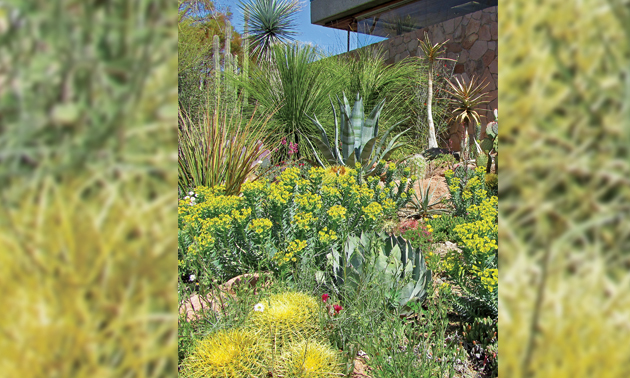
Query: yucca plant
{"x": 221, "y": 151}
{"x": 467, "y": 98}
{"x": 358, "y": 137}
{"x": 271, "y": 22}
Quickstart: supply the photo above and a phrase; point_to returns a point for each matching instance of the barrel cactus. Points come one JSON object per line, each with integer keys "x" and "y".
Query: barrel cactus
{"x": 358, "y": 137}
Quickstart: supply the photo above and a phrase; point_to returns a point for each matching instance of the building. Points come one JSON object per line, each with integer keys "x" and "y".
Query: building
{"x": 470, "y": 27}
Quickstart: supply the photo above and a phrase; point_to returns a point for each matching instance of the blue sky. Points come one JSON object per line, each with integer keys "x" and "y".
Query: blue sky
{"x": 329, "y": 40}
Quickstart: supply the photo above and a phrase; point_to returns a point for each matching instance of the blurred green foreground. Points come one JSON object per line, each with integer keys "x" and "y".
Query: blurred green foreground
{"x": 88, "y": 108}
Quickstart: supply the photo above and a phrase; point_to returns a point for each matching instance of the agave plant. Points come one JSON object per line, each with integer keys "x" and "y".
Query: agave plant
{"x": 425, "y": 205}
{"x": 358, "y": 137}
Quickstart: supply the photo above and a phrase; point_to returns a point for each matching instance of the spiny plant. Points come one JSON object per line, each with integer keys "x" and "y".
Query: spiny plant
{"x": 467, "y": 98}
{"x": 490, "y": 143}
{"x": 286, "y": 317}
{"x": 227, "y": 353}
{"x": 357, "y": 139}
{"x": 310, "y": 358}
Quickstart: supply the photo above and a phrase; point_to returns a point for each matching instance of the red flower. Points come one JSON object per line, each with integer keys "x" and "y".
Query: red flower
{"x": 325, "y": 297}
{"x": 337, "y": 308}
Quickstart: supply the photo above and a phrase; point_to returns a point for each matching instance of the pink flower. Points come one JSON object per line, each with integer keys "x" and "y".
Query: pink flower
{"x": 284, "y": 141}
{"x": 325, "y": 297}
{"x": 337, "y": 308}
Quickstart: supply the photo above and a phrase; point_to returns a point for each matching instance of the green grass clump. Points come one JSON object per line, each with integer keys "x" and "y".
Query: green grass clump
{"x": 310, "y": 359}
{"x": 286, "y": 317}
{"x": 227, "y": 353}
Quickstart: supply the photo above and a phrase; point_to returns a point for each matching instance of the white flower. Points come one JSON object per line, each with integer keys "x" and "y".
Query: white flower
{"x": 259, "y": 307}
{"x": 191, "y": 193}
{"x": 186, "y": 197}
{"x": 192, "y": 277}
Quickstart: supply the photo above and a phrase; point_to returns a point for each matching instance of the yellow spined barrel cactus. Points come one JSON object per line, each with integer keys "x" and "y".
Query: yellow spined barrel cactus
{"x": 310, "y": 359}
{"x": 286, "y": 317}
{"x": 227, "y": 353}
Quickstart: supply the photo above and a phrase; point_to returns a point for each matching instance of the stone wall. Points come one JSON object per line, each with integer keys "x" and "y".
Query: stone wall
{"x": 472, "y": 41}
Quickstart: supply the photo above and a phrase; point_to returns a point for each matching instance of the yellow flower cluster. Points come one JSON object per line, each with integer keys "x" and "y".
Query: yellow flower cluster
{"x": 278, "y": 194}
{"x": 308, "y": 201}
{"x": 326, "y": 237}
{"x": 489, "y": 278}
{"x": 337, "y": 213}
{"x": 260, "y": 225}
{"x": 252, "y": 189}
{"x": 291, "y": 177}
{"x": 303, "y": 221}
{"x": 330, "y": 193}
{"x": 293, "y": 249}
{"x": 373, "y": 211}
{"x": 389, "y": 206}
{"x": 241, "y": 215}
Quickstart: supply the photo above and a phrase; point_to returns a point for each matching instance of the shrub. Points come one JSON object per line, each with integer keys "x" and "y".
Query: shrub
{"x": 443, "y": 226}
{"x": 492, "y": 183}
{"x": 220, "y": 151}
{"x": 280, "y": 225}
{"x": 466, "y": 187}
{"x": 475, "y": 270}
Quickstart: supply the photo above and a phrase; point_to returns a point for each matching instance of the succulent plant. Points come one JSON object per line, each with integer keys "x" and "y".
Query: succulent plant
{"x": 226, "y": 353}
{"x": 370, "y": 255}
{"x": 482, "y": 331}
{"x": 358, "y": 137}
{"x": 286, "y": 317}
{"x": 310, "y": 358}
{"x": 491, "y": 141}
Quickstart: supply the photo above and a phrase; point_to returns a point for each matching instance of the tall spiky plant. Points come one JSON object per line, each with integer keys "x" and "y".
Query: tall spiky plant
{"x": 271, "y": 22}
{"x": 431, "y": 52}
{"x": 467, "y": 98}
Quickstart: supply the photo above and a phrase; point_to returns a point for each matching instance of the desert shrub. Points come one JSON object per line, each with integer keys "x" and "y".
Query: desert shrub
{"x": 279, "y": 225}
{"x": 467, "y": 187}
{"x": 443, "y": 227}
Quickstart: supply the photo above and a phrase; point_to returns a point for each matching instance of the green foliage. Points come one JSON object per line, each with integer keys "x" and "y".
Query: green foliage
{"x": 491, "y": 141}
{"x": 292, "y": 84}
{"x": 415, "y": 349}
{"x": 390, "y": 259}
{"x": 356, "y": 135}
{"x": 283, "y": 225}
{"x": 481, "y": 341}
{"x": 219, "y": 151}
{"x": 467, "y": 187}
{"x": 443, "y": 226}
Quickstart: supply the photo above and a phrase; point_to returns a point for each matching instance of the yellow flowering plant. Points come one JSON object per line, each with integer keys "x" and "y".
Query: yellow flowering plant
{"x": 475, "y": 269}
{"x": 226, "y": 235}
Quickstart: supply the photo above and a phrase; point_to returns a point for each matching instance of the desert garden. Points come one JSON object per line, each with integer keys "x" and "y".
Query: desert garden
{"x": 325, "y": 226}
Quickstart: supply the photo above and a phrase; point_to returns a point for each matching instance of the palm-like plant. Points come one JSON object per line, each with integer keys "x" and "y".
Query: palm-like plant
{"x": 431, "y": 52}
{"x": 467, "y": 98}
{"x": 270, "y": 22}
